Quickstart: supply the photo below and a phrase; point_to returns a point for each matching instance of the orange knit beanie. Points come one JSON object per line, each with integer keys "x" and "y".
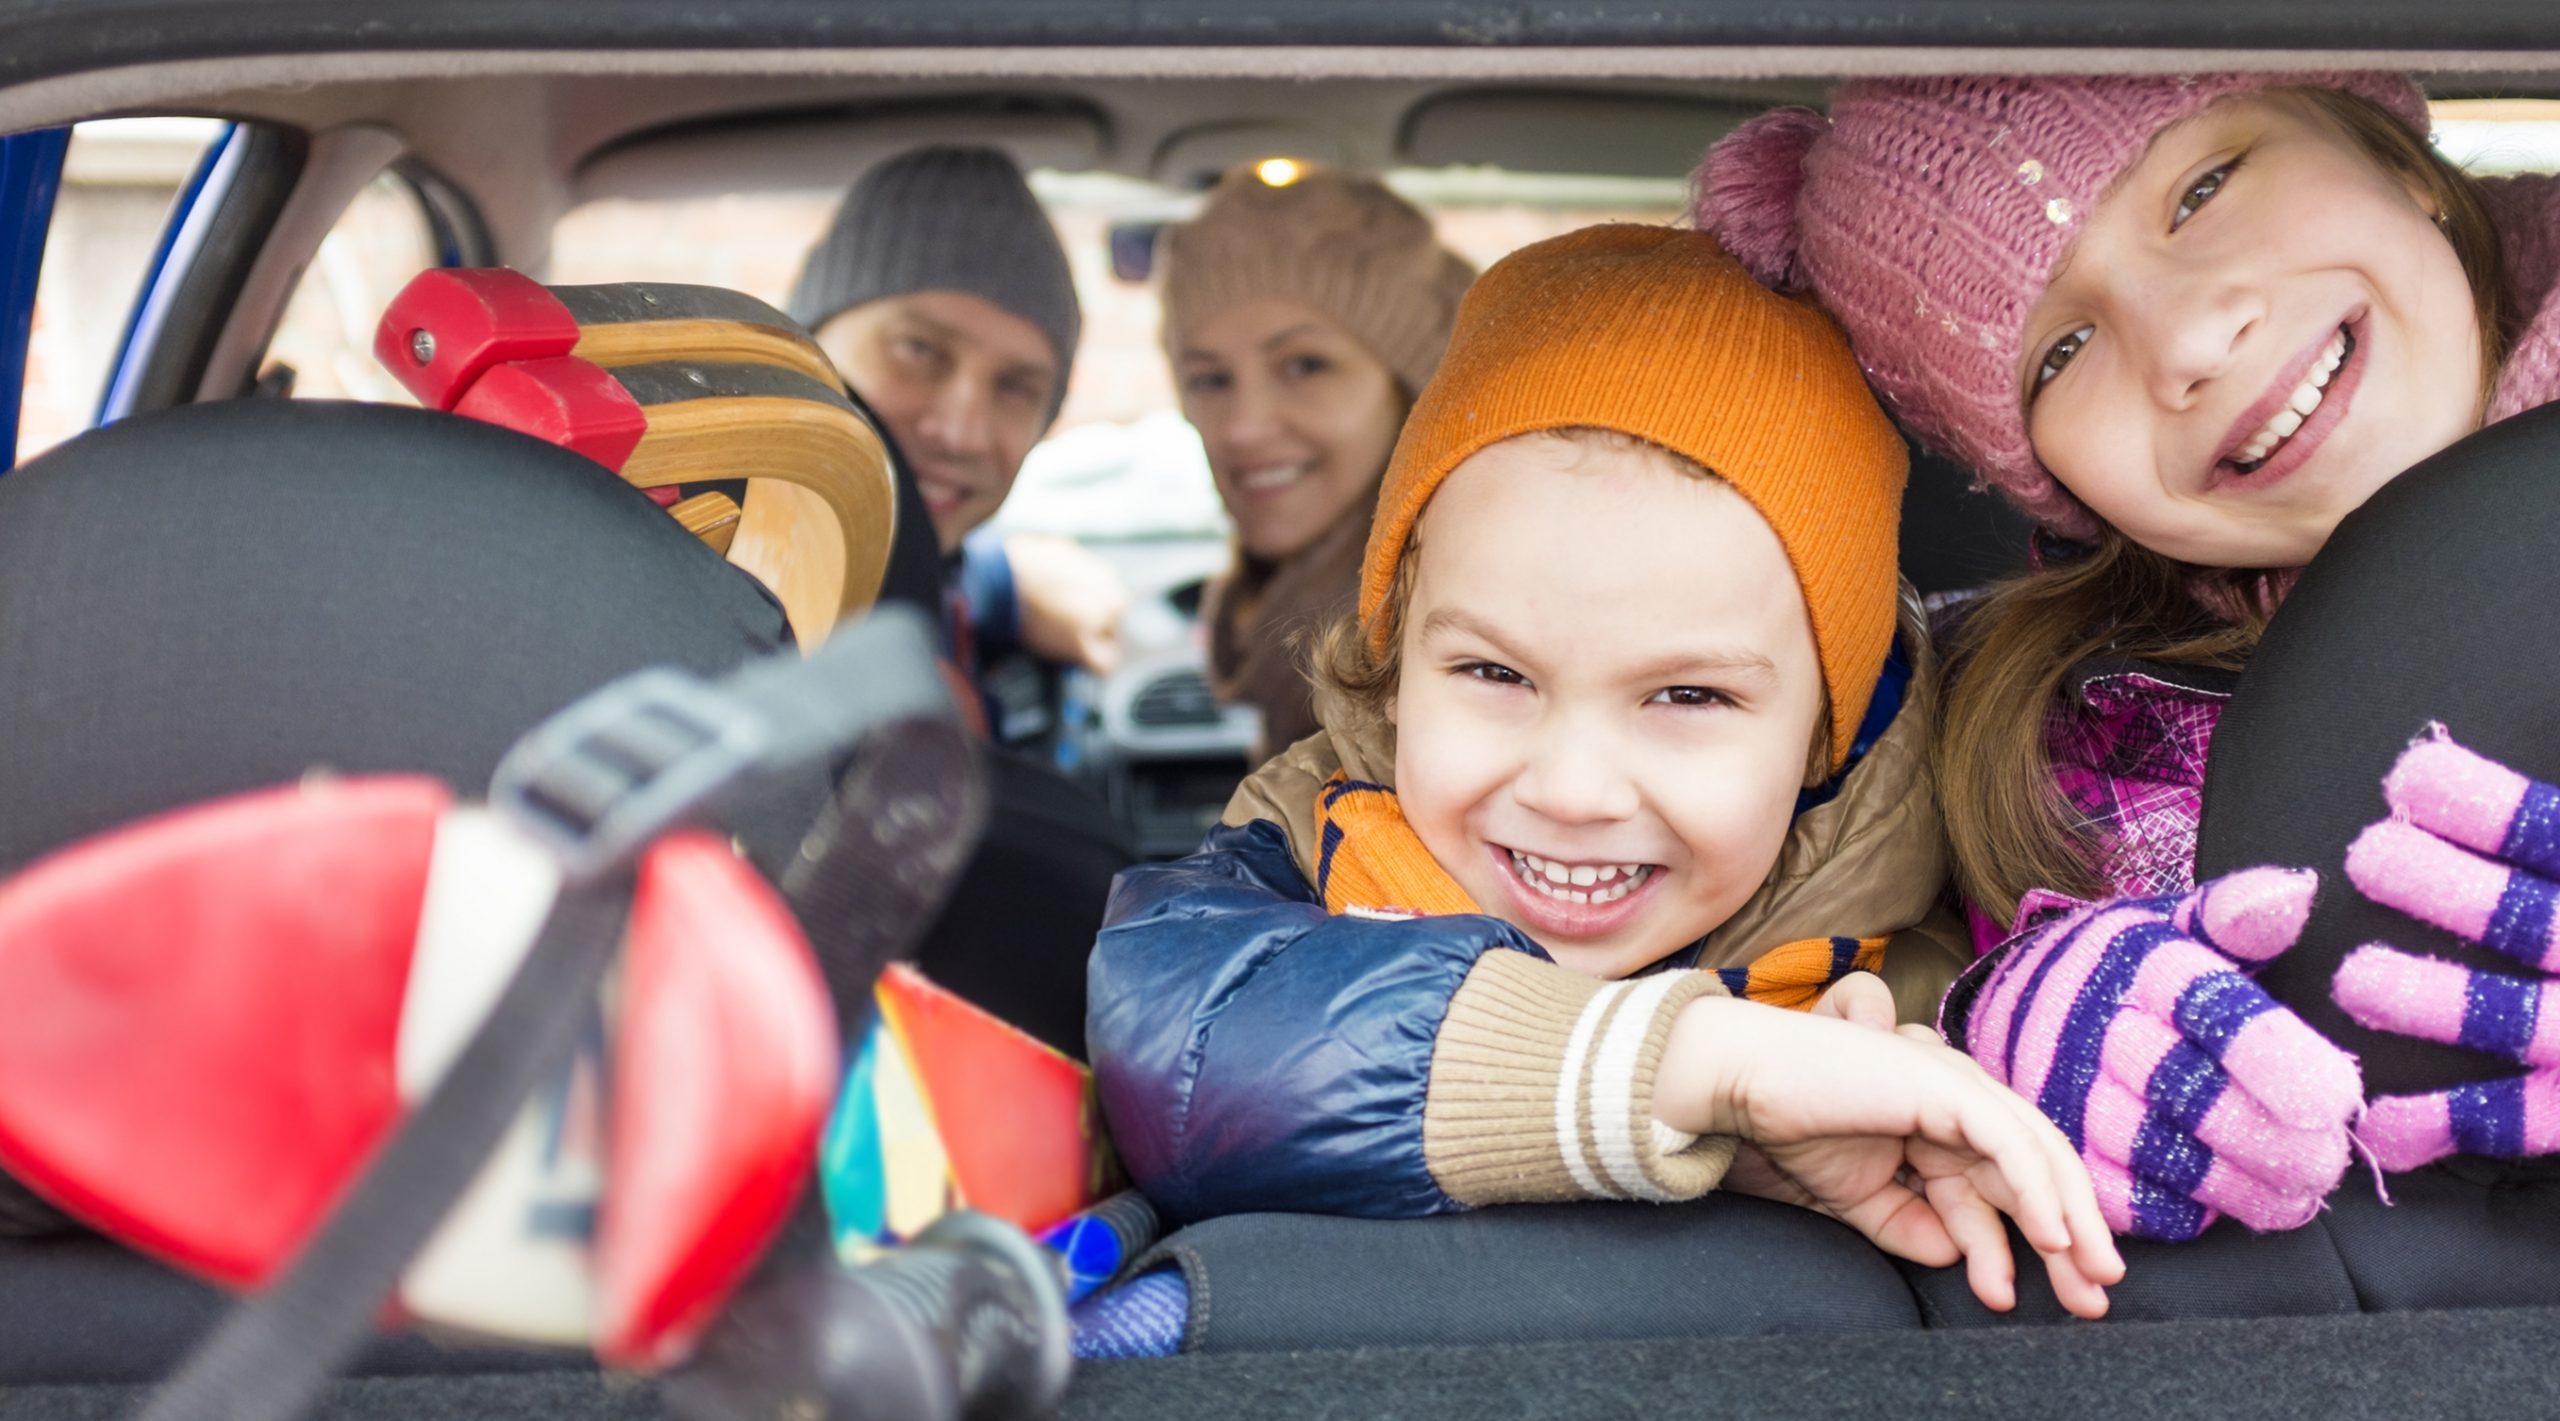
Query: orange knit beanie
{"x": 1654, "y": 332}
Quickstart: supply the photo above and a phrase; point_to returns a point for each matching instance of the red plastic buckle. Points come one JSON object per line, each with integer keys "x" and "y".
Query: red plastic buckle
{"x": 448, "y": 327}
{"x": 563, "y": 401}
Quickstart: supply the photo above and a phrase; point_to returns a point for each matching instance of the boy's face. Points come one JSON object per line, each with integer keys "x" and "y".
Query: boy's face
{"x": 1607, "y": 700}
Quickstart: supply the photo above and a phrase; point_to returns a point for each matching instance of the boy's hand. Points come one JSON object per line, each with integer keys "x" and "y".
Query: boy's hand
{"x": 1861, "y": 998}
{"x": 1892, "y": 1133}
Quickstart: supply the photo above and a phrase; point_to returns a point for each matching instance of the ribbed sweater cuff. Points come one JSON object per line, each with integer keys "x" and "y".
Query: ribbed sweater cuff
{"x": 1542, "y": 1088}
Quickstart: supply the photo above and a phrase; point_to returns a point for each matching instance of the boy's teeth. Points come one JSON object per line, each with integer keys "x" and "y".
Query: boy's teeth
{"x": 1578, "y": 883}
{"x": 2297, "y": 407}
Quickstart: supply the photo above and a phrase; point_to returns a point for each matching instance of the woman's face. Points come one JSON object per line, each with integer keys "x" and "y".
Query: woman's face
{"x": 2258, "y": 328}
{"x": 1297, "y": 417}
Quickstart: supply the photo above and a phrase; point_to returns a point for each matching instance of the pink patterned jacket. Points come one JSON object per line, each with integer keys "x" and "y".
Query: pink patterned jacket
{"x": 2128, "y": 740}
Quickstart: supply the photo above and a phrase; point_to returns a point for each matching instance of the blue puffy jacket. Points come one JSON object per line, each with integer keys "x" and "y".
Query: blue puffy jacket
{"x": 1255, "y": 1053}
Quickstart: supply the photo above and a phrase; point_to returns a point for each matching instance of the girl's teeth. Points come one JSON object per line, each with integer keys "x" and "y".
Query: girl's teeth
{"x": 1579, "y": 883}
{"x": 2297, "y": 407}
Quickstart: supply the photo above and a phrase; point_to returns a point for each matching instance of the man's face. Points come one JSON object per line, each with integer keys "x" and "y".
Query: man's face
{"x": 964, "y": 386}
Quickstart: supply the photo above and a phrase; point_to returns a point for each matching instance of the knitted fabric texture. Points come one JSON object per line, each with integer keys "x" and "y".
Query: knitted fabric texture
{"x": 1371, "y": 864}
{"x": 2527, "y": 212}
{"x": 945, "y": 219}
{"x": 1796, "y": 974}
{"x": 1339, "y": 245}
{"x": 1657, "y": 334}
{"x": 2187, "y": 1090}
{"x": 1542, "y": 1086}
{"x": 2474, "y": 848}
{"x": 1927, "y": 214}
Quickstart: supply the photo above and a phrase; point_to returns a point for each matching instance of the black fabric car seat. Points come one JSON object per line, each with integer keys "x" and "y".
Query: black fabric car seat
{"x": 222, "y": 597}
{"x": 2433, "y": 602}
{"x": 219, "y": 597}
{"x": 1955, "y": 537}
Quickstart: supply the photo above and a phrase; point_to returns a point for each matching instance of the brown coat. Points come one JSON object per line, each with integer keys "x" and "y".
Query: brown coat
{"x": 1263, "y": 619}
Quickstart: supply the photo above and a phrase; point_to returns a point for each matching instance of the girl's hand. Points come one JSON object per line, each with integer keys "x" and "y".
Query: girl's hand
{"x": 2474, "y": 848}
{"x": 1891, "y": 1133}
{"x": 2188, "y": 1091}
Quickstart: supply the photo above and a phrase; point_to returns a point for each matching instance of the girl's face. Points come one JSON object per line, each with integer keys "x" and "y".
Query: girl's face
{"x": 1297, "y": 417}
{"x": 1605, "y": 754}
{"x": 2258, "y": 328}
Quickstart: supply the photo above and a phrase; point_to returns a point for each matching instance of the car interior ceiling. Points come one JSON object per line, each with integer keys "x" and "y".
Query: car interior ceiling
{"x": 596, "y": 132}
{"x": 525, "y": 137}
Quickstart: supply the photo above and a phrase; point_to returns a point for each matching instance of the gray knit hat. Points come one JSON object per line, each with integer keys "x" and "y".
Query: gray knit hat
{"x": 1341, "y": 245}
{"x": 945, "y": 219}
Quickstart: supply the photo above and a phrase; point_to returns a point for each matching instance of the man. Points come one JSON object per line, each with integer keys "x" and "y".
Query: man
{"x": 944, "y": 298}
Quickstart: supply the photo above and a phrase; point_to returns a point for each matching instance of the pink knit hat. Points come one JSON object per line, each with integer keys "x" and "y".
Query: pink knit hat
{"x": 1927, "y": 214}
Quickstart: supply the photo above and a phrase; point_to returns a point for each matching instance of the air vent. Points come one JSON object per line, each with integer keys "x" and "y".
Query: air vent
{"x": 1179, "y": 699}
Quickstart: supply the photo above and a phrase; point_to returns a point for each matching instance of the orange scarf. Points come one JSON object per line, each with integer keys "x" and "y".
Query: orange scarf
{"x": 1370, "y": 863}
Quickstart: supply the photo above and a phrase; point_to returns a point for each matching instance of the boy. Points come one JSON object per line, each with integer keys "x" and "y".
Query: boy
{"x": 1628, "y": 596}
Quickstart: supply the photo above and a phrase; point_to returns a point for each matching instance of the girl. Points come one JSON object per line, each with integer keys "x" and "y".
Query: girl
{"x": 1301, "y": 320}
{"x": 2188, "y": 323}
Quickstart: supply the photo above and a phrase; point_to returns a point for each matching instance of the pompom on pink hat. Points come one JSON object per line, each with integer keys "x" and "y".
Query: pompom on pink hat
{"x": 1927, "y": 214}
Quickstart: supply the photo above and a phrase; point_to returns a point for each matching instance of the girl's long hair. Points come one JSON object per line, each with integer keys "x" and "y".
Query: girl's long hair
{"x": 2008, "y": 825}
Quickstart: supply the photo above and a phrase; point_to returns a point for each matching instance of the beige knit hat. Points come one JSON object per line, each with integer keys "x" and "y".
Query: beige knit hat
{"x": 1341, "y": 245}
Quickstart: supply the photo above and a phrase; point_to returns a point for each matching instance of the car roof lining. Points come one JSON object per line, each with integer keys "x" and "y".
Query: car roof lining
{"x": 302, "y": 88}
{"x": 469, "y": 113}
{"x": 665, "y": 121}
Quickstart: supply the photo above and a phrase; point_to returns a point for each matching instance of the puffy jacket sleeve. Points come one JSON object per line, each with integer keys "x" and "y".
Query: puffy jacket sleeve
{"x": 1255, "y": 1053}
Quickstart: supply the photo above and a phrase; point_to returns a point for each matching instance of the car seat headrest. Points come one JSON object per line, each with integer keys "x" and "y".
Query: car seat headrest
{"x": 2430, "y": 603}
{"x": 671, "y": 385}
{"x": 207, "y": 599}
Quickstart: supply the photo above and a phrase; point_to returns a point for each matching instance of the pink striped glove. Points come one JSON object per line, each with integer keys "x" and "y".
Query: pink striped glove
{"x": 2471, "y": 847}
{"x": 2189, "y": 1092}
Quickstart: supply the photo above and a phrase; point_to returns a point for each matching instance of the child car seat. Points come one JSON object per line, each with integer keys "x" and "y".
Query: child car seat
{"x": 211, "y": 599}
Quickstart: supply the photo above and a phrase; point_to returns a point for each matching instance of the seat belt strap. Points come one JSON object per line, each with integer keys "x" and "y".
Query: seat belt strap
{"x": 596, "y": 784}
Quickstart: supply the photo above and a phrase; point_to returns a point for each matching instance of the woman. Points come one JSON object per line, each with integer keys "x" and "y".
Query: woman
{"x": 1300, "y": 320}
